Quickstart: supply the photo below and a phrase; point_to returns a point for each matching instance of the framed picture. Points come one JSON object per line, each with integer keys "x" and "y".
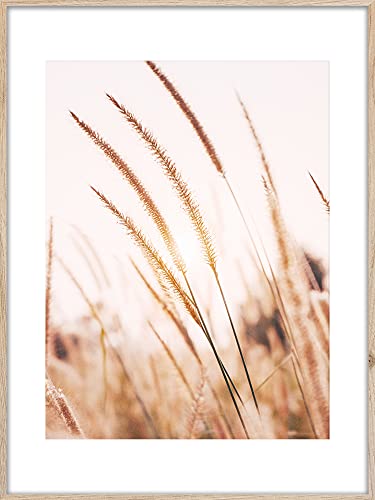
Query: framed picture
{"x": 185, "y": 315}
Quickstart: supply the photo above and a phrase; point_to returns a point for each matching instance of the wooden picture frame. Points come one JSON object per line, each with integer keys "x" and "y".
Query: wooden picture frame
{"x": 371, "y": 234}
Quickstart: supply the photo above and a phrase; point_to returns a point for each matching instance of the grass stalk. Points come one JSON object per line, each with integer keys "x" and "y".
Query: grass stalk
{"x": 103, "y": 333}
{"x": 162, "y": 270}
{"x": 173, "y": 360}
{"x": 48, "y": 290}
{"x": 237, "y": 341}
{"x": 185, "y": 335}
{"x": 219, "y": 167}
{"x": 103, "y": 338}
{"x": 197, "y": 408}
{"x": 280, "y": 365}
{"x": 56, "y": 398}
{"x": 173, "y": 315}
{"x": 321, "y": 194}
{"x": 193, "y": 211}
{"x": 139, "y": 399}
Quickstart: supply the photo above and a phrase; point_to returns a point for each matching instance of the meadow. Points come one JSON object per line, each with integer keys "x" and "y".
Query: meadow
{"x": 191, "y": 333}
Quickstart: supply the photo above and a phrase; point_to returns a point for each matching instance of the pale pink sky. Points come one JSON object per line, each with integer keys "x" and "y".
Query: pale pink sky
{"x": 289, "y": 104}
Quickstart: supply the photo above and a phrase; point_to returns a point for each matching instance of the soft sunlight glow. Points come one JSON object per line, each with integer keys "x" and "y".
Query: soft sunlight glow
{"x": 190, "y": 248}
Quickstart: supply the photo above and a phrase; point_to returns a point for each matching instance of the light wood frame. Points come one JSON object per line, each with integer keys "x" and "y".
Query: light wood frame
{"x": 371, "y": 237}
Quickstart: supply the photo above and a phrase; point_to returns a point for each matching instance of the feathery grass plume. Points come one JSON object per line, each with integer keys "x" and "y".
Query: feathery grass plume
{"x": 103, "y": 332}
{"x": 184, "y": 192}
{"x": 291, "y": 256}
{"x": 321, "y": 323}
{"x": 259, "y": 145}
{"x": 171, "y": 283}
{"x": 297, "y": 299}
{"x": 56, "y": 398}
{"x": 163, "y": 229}
{"x": 212, "y": 154}
{"x": 185, "y": 108}
{"x": 174, "y": 361}
{"x": 172, "y": 314}
{"x": 321, "y": 194}
{"x": 180, "y": 185}
{"x": 296, "y": 364}
{"x": 168, "y": 279}
{"x": 158, "y": 219}
{"x": 271, "y": 193}
{"x": 185, "y": 196}
{"x": 190, "y": 205}
{"x": 196, "y": 415}
{"x": 276, "y": 293}
{"x": 48, "y": 289}
{"x": 145, "y": 198}
{"x": 103, "y": 338}
{"x": 269, "y": 186}
{"x": 270, "y": 182}
{"x": 193, "y": 211}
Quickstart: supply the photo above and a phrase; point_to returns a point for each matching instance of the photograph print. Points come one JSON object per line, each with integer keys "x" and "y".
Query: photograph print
{"x": 187, "y": 250}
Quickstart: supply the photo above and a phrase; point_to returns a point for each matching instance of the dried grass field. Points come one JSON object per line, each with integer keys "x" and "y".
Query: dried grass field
{"x": 204, "y": 319}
